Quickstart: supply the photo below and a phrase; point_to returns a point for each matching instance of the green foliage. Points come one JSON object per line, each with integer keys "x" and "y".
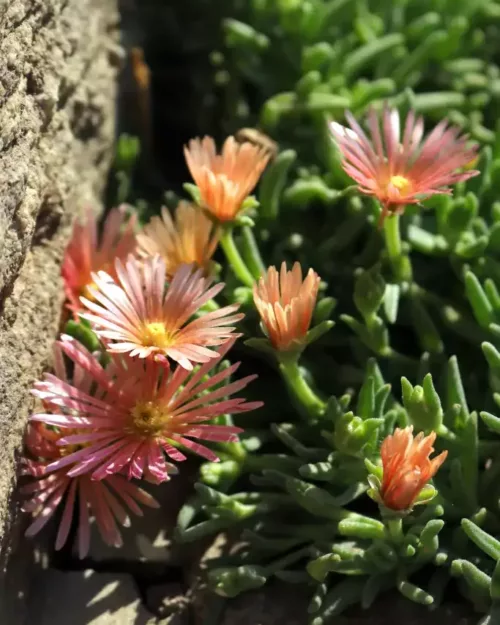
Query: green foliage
{"x": 416, "y": 308}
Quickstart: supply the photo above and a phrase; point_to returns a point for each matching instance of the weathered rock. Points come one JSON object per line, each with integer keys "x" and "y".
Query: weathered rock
{"x": 87, "y": 598}
{"x": 57, "y": 92}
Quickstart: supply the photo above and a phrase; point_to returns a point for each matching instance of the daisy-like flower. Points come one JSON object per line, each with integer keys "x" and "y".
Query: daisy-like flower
{"x": 191, "y": 239}
{"x": 403, "y": 171}
{"x": 86, "y": 254}
{"x": 138, "y": 314}
{"x": 225, "y": 180}
{"x": 286, "y": 304}
{"x": 139, "y": 412}
{"x": 108, "y": 501}
{"x": 407, "y": 467}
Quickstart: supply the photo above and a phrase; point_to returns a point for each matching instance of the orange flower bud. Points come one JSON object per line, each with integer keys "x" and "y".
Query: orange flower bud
{"x": 407, "y": 467}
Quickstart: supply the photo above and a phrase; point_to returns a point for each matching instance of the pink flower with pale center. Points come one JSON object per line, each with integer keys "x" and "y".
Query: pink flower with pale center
{"x": 139, "y": 412}
{"x": 86, "y": 254}
{"x": 407, "y": 170}
{"x": 138, "y": 314}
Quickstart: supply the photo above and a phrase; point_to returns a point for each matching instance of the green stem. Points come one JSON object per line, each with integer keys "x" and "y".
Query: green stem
{"x": 234, "y": 258}
{"x": 300, "y": 389}
{"x": 399, "y": 261}
{"x": 395, "y": 528}
{"x": 251, "y": 253}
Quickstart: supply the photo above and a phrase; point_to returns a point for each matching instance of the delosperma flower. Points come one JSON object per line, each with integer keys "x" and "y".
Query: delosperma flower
{"x": 108, "y": 501}
{"x": 407, "y": 170}
{"x": 191, "y": 239}
{"x": 138, "y": 314}
{"x": 139, "y": 412}
{"x": 225, "y": 180}
{"x": 87, "y": 252}
{"x": 407, "y": 467}
{"x": 286, "y": 304}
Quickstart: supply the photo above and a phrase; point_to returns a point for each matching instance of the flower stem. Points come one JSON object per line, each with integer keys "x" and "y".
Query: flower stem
{"x": 234, "y": 258}
{"x": 300, "y": 389}
{"x": 400, "y": 262}
{"x": 395, "y": 529}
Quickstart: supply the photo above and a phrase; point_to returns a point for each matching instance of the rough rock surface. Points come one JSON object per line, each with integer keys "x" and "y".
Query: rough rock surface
{"x": 58, "y": 66}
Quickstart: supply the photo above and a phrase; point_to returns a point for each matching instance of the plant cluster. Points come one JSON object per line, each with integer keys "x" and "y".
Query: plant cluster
{"x": 366, "y": 292}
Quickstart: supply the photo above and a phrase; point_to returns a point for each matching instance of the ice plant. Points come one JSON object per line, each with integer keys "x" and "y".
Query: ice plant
{"x": 108, "y": 501}
{"x": 139, "y": 412}
{"x": 286, "y": 303}
{"x": 407, "y": 467}
{"x": 139, "y": 314}
{"x": 191, "y": 239}
{"x": 225, "y": 180}
{"x": 87, "y": 252}
{"x": 403, "y": 170}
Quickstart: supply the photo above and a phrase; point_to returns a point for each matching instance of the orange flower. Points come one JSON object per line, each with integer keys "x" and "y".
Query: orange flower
{"x": 286, "y": 303}
{"x": 407, "y": 467}
{"x": 192, "y": 238}
{"x": 225, "y": 180}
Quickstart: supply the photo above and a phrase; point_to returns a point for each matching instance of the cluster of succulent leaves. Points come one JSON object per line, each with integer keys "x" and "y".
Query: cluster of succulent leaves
{"x": 416, "y": 330}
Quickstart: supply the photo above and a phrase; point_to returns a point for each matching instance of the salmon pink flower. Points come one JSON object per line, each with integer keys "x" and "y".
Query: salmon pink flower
{"x": 399, "y": 172}
{"x": 407, "y": 467}
{"x": 225, "y": 180}
{"x": 286, "y": 304}
{"x": 85, "y": 253}
{"x": 191, "y": 239}
{"x": 139, "y": 412}
{"x": 138, "y": 314}
{"x": 108, "y": 501}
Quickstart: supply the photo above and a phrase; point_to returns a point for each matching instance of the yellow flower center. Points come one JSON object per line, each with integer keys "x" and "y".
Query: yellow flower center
{"x": 401, "y": 183}
{"x": 86, "y": 292}
{"x": 148, "y": 419}
{"x": 155, "y": 334}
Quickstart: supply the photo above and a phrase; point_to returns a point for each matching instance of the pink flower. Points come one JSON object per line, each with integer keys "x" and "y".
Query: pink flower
{"x": 84, "y": 254}
{"x": 108, "y": 501}
{"x": 138, "y": 314}
{"x": 139, "y": 412}
{"x": 400, "y": 173}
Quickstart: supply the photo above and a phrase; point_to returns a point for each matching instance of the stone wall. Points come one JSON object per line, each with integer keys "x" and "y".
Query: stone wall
{"x": 58, "y": 68}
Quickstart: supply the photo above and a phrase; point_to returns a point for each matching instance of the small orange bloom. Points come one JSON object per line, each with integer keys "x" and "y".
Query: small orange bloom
{"x": 192, "y": 238}
{"x": 407, "y": 467}
{"x": 286, "y": 303}
{"x": 225, "y": 180}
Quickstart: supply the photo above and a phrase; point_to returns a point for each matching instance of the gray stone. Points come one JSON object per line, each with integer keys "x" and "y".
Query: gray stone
{"x": 87, "y": 598}
{"x": 57, "y": 102}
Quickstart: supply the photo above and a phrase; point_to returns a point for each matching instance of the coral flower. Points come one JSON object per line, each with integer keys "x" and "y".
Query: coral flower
{"x": 286, "y": 303}
{"x": 400, "y": 173}
{"x": 407, "y": 467}
{"x": 225, "y": 180}
{"x": 85, "y": 254}
{"x": 138, "y": 314}
{"x": 191, "y": 239}
{"x": 139, "y": 412}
